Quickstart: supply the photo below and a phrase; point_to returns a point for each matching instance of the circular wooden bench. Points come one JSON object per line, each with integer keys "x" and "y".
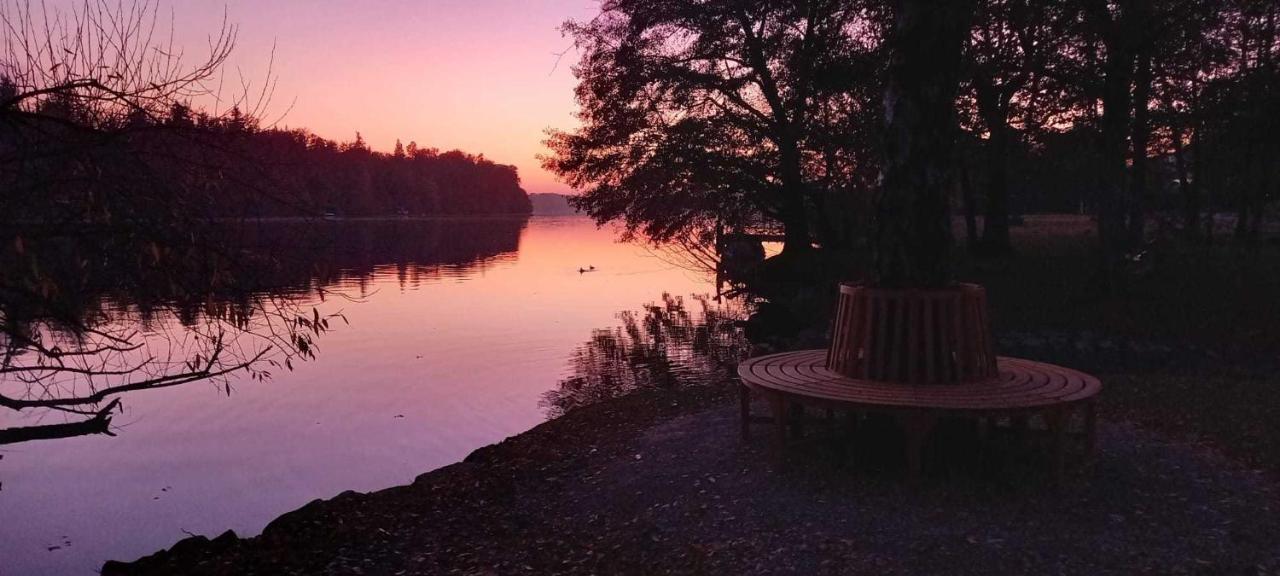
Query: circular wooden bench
{"x": 1020, "y": 388}
{"x": 948, "y": 369}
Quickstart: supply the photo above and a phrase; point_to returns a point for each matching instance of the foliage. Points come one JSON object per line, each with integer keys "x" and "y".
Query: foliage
{"x": 700, "y": 114}
{"x": 692, "y": 114}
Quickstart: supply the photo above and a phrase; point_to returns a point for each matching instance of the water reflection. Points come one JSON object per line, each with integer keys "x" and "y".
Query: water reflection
{"x": 326, "y": 255}
{"x": 98, "y": 325}
{"x": 667, "y": 345}
{"x": 452, "y": 345}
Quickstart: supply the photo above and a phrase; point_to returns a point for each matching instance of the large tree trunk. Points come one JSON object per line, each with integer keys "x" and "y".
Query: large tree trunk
{"x": 1248, "y": 183}
{"x": 1242, "y": 218}
{"x": 1255, "y": 225}
{"x": 1258, "y": 187}
{"x": 1197, "y": 171}
{"x": 1140, "y": 138}
{"x": 1110, "y": 202}
{"x": 795, "y": 225}
{"x": 1190, "y": 196}
{"x": 995, "y": 227}
{"x": 913, "y": 225}
{"x": 994, "y": 111}
{"x": 795, "y": 216}
{"x": 970, "y": 208}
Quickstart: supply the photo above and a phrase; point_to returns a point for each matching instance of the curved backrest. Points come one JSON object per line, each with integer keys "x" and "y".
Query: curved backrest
{"x": 917, "y": 336}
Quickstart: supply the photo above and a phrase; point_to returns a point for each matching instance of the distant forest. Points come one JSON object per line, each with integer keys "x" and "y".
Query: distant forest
{"x": 243, "y": 170}
{"x": 552, "y": 204}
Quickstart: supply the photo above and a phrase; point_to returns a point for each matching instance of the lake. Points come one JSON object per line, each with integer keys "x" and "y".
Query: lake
{"x": 461, "y": 333}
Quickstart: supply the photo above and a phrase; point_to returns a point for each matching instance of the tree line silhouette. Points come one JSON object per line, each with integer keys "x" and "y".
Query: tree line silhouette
{"x": 757, "y": 114}
{"x": 310, "y": 175}
{"x": 249, "y": 171}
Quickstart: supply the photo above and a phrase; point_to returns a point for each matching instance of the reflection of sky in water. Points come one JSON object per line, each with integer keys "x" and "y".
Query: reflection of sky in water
{"x": 437, "y": 361}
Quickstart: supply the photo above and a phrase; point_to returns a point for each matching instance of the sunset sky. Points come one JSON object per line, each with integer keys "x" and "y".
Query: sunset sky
{"x": 477, "y": 75}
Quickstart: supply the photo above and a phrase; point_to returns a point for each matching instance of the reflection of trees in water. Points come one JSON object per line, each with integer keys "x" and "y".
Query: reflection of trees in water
{"x": 96, "y": 321}
{"x": 668, "y": 345}
{"x": 115, "y": 273}
{"x": 86, "y": 317}
{"x": 332, "y": 255}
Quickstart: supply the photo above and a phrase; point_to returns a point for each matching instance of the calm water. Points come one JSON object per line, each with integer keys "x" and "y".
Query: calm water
{"x": 463, "y": 333}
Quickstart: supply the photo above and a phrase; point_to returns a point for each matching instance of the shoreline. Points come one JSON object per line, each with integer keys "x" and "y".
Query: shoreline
{"x": 559, "y": 443}
{"x": 660, "y": 482}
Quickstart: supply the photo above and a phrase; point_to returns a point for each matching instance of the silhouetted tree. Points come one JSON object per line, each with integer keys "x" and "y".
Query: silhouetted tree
{"x": 696, "y": 114}
{"x": 1187, "y": 53}
{"x": 1005, "y": 57}
{"x": 1241, "y": 143}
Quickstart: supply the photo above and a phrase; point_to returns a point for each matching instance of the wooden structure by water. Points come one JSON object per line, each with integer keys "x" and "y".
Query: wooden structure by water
{"x": 919, "y": 355}
{"x": 739, "y": 250}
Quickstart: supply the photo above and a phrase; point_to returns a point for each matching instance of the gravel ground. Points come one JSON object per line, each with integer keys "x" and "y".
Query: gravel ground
{"x": 661, "y": 483}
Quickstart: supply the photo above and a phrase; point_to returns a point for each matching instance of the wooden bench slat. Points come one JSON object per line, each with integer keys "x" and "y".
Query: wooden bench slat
{"x": 1019, "y": 384}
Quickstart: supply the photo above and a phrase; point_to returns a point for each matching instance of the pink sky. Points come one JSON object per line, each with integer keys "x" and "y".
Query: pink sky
{"x": 476, "y": 75}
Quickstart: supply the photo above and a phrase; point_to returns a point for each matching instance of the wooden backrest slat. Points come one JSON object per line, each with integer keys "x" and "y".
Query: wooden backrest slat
{"x": 926, "y": 323}
{"x": 940, "y": 336}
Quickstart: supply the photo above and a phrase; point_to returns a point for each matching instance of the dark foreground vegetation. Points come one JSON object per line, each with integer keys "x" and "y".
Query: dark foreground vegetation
{"x": 1186, "y": 479}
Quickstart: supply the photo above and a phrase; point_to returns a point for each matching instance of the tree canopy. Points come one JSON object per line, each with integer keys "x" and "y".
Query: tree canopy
{"x": 697, "y": 114}
{"x": 767, "y": 116}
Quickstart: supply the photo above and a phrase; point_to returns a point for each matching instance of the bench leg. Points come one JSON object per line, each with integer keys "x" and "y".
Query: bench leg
{"x": 796, "y": 420}
{"x": 1090, "y": 429}
{"x": 1020, "y": 427}
{"x": 778, "y": 408}
{"x": 851, "y": 437}
{"x": 985, "y": 424}
{"x": 918, "y": 424}
{"x": 1058, "y": 419}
